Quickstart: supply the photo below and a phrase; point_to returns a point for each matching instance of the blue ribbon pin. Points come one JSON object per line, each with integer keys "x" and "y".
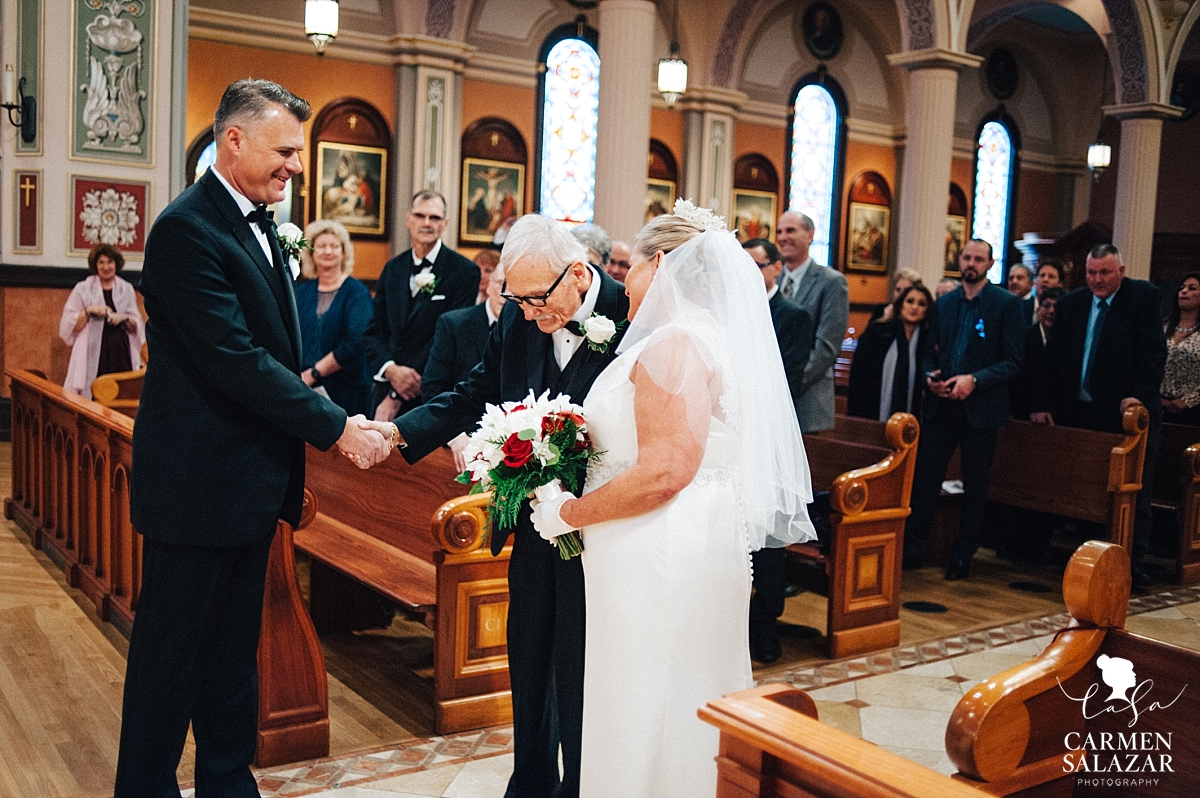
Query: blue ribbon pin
{"x": 979, "y": 328}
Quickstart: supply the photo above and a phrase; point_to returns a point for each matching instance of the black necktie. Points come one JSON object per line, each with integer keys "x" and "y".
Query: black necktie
{"x": 575, "y": 327}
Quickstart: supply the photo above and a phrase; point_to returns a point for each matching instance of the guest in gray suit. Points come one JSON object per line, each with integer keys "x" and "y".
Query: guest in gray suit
{"x": 823, "y": 293}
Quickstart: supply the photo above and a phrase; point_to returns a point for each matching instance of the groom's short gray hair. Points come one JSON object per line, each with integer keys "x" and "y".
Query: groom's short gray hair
{"x": 540, "y": 237}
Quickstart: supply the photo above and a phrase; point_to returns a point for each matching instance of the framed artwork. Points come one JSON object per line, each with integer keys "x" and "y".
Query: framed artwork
{"x": 867, "y": 239}
{"x": 493, "y": 194}
{"x": 352, "y": 186}
{"x": 105, "y": 211}
{"x": 956, "y": 236}
{"x": 821, "y": 27}
{"x": 660, "y": 197}
{"x": 754, "y": 214}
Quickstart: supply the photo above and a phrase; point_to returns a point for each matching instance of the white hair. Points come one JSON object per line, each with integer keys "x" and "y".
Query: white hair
{"x": 542, "y": 238}
{"x": 595, "y": 239}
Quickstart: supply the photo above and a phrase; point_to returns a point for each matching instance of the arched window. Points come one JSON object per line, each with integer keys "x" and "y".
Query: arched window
{"x": 815, "y": 157}
{"x": 995, "y": 187}
{"x": 568, "y": 113}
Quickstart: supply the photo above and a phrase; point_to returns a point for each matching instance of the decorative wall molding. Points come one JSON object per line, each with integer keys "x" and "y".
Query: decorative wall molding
{"x": 866, "y": 132}
{"x": 1130, "y": 50}
{"x": 501, "y": 69}
{"x": 921, "y": 33}
{"x": 727, "y": 45}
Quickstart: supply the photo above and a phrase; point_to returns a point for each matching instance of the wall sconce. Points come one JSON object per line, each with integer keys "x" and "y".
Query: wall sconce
{"x": 1099, "y": 158}
{"x": 672, "y": 71}
{"x": 321, "y": 22}
{"x": 15, "y": 99}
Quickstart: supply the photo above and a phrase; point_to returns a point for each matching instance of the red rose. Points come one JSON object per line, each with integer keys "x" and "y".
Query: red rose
{"x": 516, "y": 451}
{"x": 551, "y": 424}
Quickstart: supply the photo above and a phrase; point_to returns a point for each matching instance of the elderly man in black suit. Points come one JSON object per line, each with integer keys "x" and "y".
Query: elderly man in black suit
{"x": 794, "y": 331}
{"x": 1107, "y": 352}
{"x": 535, "y": 346}
{"x": 458, "y": 346}
{"x": 975, "y": 346}
{"x": 218, "y": 452}
{"x": 414, "y": 289}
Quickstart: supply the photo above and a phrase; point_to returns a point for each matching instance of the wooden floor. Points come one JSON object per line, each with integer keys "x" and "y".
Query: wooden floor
{"x": 62, "y": 669}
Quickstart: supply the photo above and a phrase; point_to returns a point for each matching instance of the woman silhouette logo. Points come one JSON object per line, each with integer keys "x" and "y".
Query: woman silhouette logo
{"x": 1117, "y": 673}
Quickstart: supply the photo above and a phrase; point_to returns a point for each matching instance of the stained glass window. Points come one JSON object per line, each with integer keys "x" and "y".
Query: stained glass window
{"x": 993, "y": 181}
{"x": 570, "y": 106}
{"x": 813, "y": 158}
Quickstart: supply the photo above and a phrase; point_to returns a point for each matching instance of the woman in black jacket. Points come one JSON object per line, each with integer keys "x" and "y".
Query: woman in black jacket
{"x": 885, "y": 373}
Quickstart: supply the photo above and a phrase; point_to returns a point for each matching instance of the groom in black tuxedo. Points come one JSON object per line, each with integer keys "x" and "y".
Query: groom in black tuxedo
{"x": 550, "y": 289}
{"x": 218, "y": 452}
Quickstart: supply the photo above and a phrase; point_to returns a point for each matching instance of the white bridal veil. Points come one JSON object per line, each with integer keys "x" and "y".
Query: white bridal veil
{"x": 708, "y": 314}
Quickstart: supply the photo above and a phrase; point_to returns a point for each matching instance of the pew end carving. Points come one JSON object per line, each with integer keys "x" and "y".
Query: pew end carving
{"x": 120, "y": 391}
{"x": 870, "y": 504}
{"x": 1189, "y": 529}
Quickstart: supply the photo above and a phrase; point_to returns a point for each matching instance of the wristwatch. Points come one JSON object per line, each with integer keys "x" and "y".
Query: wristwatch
{"x": 316, "y": 375}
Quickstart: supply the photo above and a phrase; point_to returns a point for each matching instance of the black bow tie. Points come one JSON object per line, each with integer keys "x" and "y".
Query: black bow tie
{"x": 575, "y": 327}
{"x": 262, "y": 217}
{"x": 417, "y": 268}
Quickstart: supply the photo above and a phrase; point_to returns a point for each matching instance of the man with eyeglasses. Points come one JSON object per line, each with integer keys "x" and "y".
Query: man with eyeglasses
{"x": 618, "y": 261}
{"x": 795, "y": 333}
{"x": 536, "y": 345}
{"x": 414, "y": 290}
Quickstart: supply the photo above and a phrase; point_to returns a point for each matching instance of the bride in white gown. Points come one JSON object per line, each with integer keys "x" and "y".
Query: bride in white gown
{"x": 703, "y": 462}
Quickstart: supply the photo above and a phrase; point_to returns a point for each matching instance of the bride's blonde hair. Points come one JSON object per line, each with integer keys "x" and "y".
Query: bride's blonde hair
{"x": 666, "y": 232}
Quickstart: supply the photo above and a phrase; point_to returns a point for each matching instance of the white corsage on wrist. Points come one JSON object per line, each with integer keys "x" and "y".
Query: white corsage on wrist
{"x": 425, "y": 280}
{"x": 599, "y": 331}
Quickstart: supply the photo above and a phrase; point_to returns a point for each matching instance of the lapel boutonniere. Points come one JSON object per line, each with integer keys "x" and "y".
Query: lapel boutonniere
{"x": 599, "y": 331}
{"x": 426, "y": 281}
{"x": 291, "y": 240}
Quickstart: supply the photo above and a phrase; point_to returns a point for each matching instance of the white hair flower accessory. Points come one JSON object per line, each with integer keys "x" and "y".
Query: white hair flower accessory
{"x": 701, "y": 217}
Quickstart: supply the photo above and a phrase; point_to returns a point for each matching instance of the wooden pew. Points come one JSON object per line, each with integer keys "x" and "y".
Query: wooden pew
{"x": 869, "y": 479}
{"x": 1076, "y": 473}
{"x": 773, "y": 746}
{"x": 408, "y": 533}
{"x": 1177, "y": 491}
{"x": 120, "y": 390}
{"x": 70, "y": 492}
{"x": 1010, "y": 735}
{"x": 1014, "y": 733}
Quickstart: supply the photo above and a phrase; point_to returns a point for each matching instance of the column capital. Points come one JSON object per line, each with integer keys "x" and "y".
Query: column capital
{"x": 1149, "y": 110}
{"x": 711, "y": 98}
{"x": 934, "y": 58}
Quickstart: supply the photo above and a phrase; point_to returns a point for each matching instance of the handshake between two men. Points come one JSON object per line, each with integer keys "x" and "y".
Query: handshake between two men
{"x": 367, "y": 443}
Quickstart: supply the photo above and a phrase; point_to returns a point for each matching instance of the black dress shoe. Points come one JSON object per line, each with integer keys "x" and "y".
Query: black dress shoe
{"x": 764, "y": 645}
{"x": 959, "y": 569}
{"x": 790, "y": 590}
{"x": 1140, "y": 580}
{"x": 912, "y": 562}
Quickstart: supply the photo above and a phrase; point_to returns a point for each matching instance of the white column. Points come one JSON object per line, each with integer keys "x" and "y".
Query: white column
{"x": 709, "y": 129}
{"x": 1137, "y": 182}
{"x": 929, "y": 144}
{"x": 623, "y": 137}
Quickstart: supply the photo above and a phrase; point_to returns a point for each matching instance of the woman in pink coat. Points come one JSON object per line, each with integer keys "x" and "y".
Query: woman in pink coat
{"x": 101, "y": 322}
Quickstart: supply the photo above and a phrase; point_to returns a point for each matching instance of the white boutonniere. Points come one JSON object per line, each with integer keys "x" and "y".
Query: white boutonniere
{"x": 426, "y": 281}
{"x": 291, "y": 240}
{"x": 599, "y": 331}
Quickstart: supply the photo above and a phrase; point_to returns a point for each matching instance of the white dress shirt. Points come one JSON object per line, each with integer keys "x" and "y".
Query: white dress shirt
{"x": 565, "y": 341}
{"x": 246, "y": 206}
{"x": 794, "y": 276}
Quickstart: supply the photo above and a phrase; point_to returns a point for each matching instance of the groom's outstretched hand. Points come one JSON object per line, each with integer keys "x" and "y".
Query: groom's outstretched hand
{"x": 363, "y": 442}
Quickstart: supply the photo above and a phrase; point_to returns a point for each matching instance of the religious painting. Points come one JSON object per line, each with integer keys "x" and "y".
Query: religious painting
{"x": 753, "y": 214}
{"x": 113, "y": 58}
{"x": 867, "y": 239}
{"x": 660, "y": 197}
{"x": 821, "y": 26}
{"x": 956, "y": 237}
{"x": 352, "y": 186}
{"x": 27, "y": 211}
{"x": 105, "y": 211}
{"x": 493, "y": 196}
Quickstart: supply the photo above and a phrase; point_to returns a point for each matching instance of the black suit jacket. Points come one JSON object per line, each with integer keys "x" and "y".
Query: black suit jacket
{"x": 518, "y": 358}
{"x": 1130, "y": 360}
{"x": 866, "y": 369}
{"x": 795, "y": 332}
{"x": 458, "y": 344}
{"x": 402, "y": 325}
{"x": 995, "y": 349}
{"x": 218, "y": 448}
{"x": 1021, "y": 389}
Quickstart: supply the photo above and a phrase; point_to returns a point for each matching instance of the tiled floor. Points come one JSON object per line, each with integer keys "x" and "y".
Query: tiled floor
{"x": 899, "y": 699}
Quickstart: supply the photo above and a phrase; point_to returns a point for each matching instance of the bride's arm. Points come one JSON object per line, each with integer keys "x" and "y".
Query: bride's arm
{"x": 670, "y": 451}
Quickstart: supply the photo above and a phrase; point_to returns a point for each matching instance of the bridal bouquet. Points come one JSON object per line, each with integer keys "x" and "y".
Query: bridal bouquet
{"x": 522, "y": 447}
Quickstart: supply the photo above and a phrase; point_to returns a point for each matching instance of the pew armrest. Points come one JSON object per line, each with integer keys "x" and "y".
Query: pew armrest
{"x": 851, "y": 496}
{"x": 120, "y": 390}
{"x": 461, "y": 525}
{"x": 990, "y": 730}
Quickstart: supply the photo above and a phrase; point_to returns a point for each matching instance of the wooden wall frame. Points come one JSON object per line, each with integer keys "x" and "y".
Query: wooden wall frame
{"x": 958, "y": 228}
{"x": 360, "y": 127}
{"x": 493, "y": 174}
